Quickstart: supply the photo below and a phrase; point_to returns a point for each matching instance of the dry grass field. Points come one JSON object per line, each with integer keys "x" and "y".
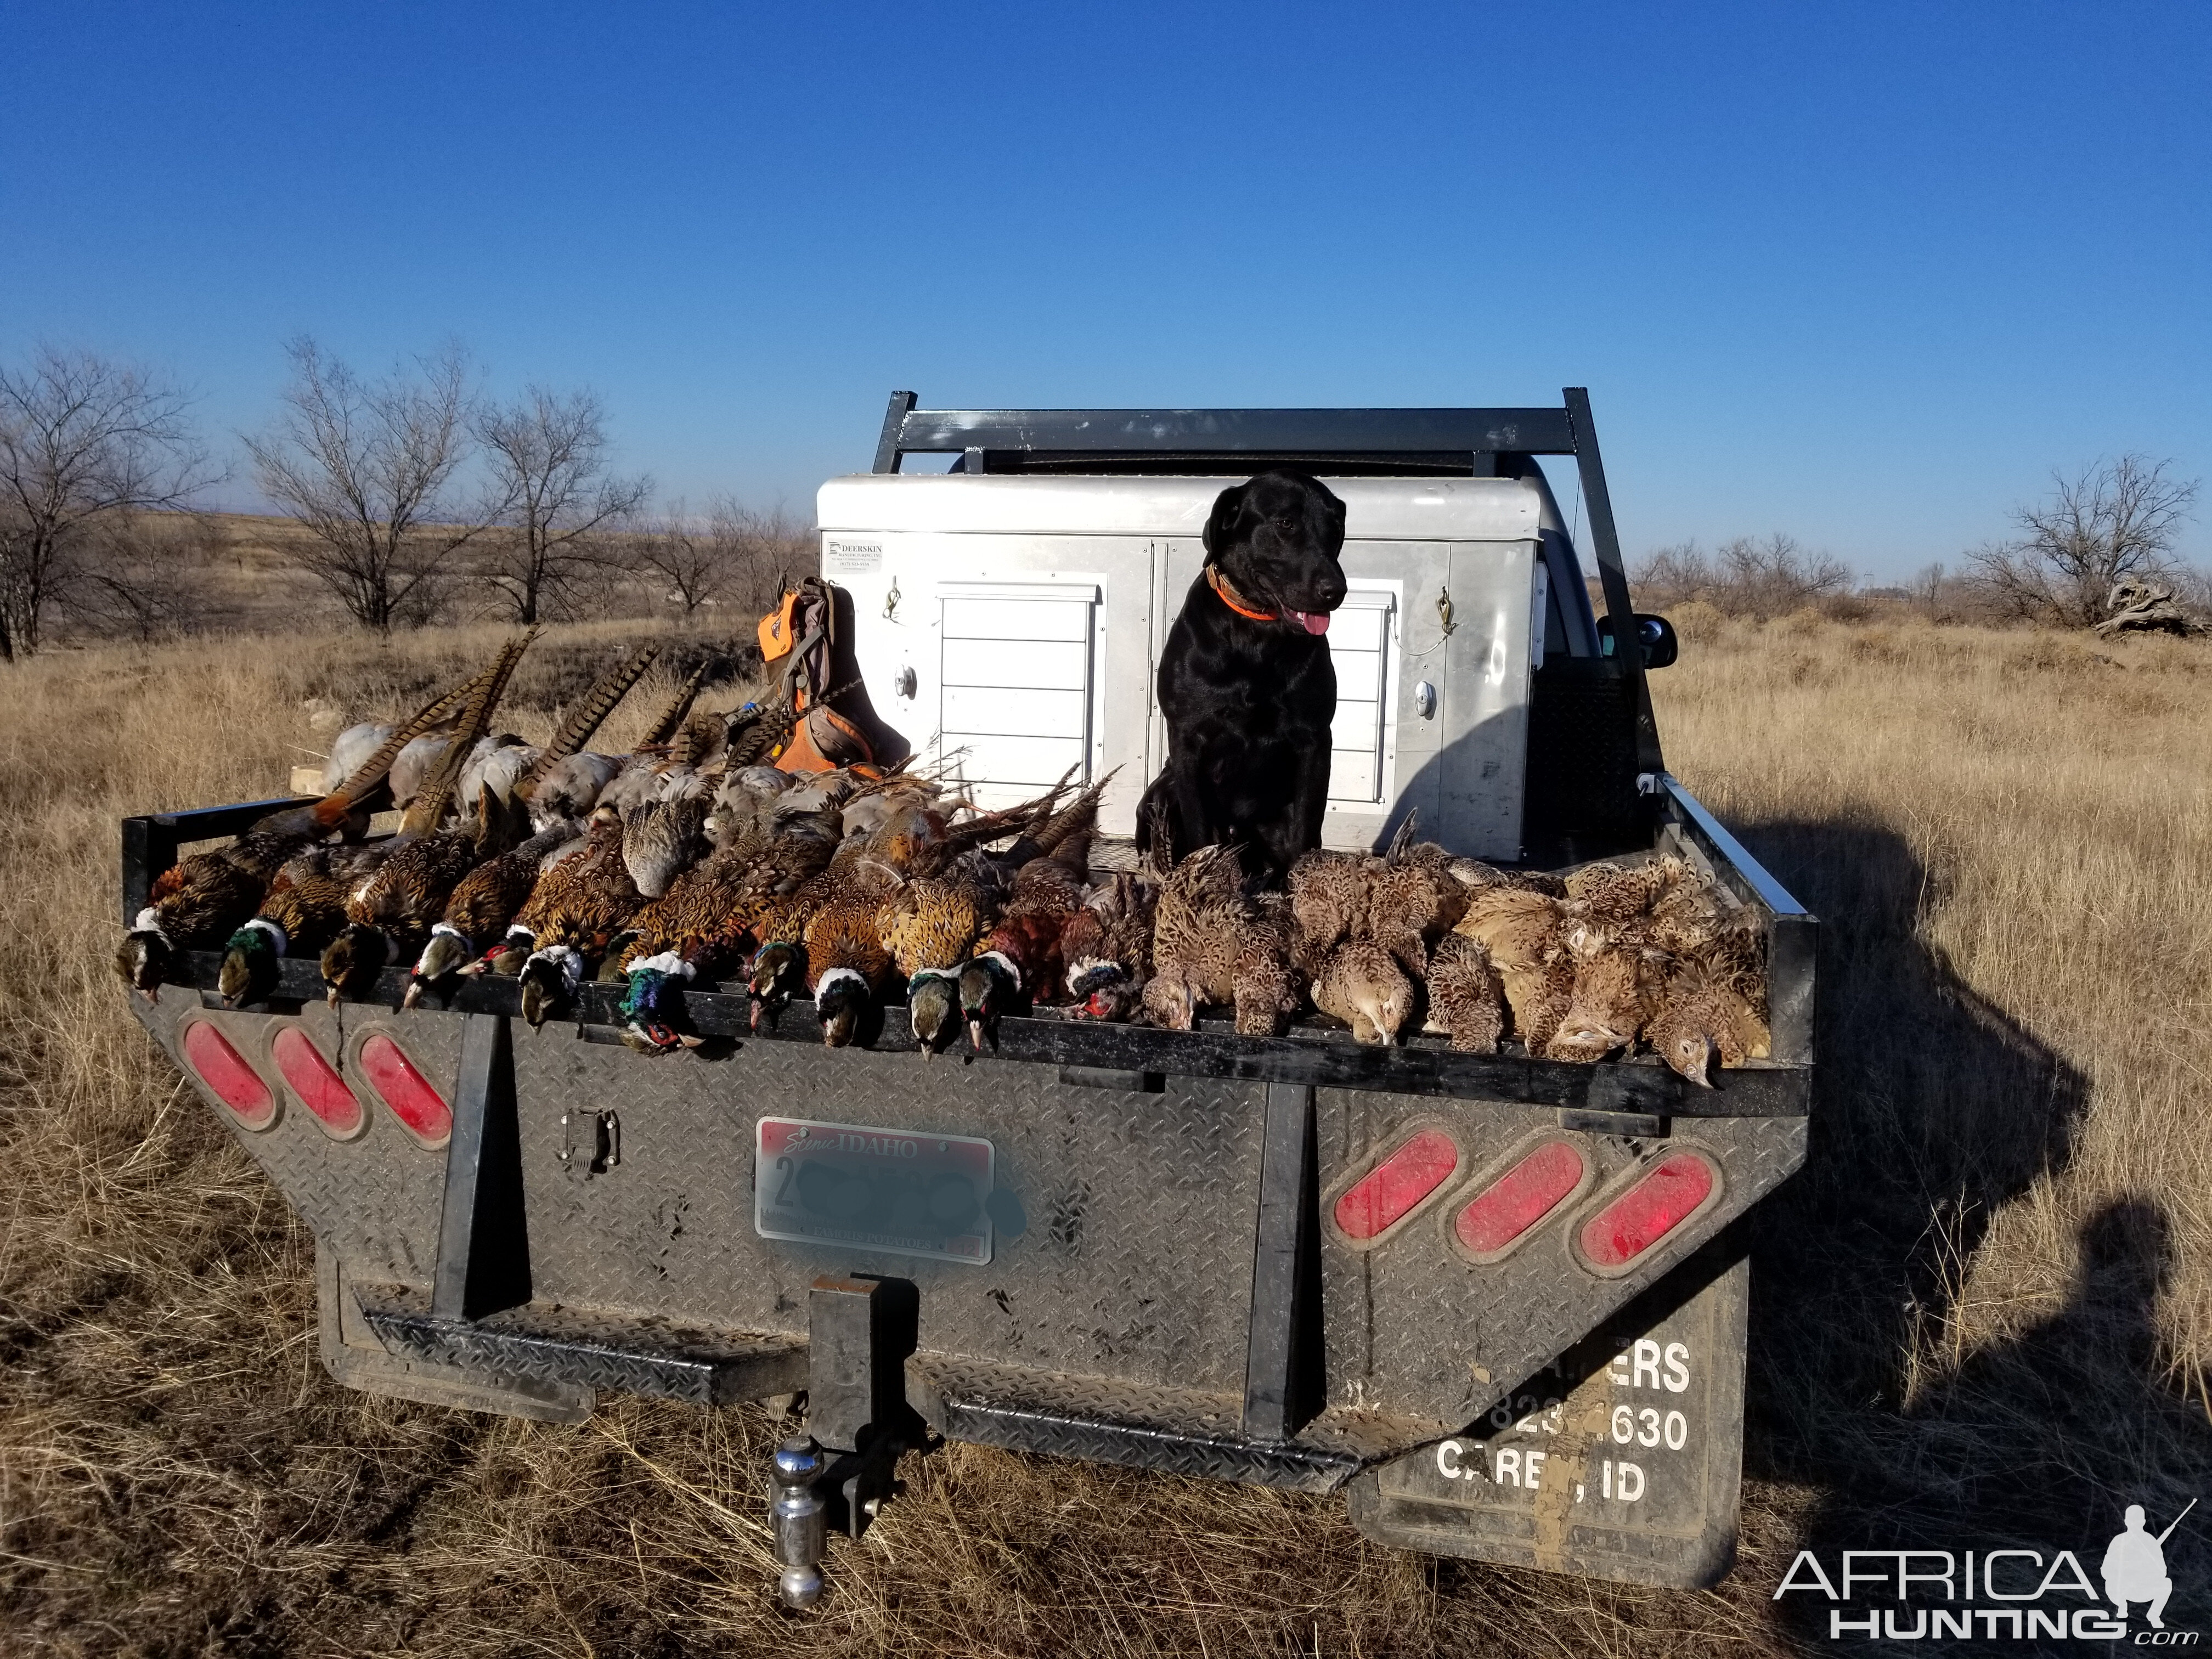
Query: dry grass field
{"x": 1984, "y": 1314}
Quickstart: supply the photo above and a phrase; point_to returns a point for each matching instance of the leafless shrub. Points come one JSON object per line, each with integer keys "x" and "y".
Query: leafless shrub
{"x": 365, "y": 467}
{"x": 2116, "y": 520}
{"x": 85, "y": 444}
{"x": 547, "y": 461}
{"x": 146, "y": 581}
{"x": 1770, "y": 577}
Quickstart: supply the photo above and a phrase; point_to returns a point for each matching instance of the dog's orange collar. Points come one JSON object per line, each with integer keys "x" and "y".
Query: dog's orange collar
{"x": 1229, "y": 597}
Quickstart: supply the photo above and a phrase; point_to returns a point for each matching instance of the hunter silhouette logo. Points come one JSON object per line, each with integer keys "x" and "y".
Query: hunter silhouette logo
{"x": 2135, "y": 1566}
{"x": 1998, "y": 1595}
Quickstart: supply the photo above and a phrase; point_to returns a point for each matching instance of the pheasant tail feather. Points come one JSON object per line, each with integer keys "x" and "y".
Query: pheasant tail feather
{"x": 672, "y": 716}
{"x": 587, "y": 718}
{"x": 485, "y": 693}
{"x": 371, "y": 772}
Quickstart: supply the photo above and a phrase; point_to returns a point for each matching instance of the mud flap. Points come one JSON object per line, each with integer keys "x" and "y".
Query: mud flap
{"x": 1621, "y": 1460}
{"x": 354, "y": 1356}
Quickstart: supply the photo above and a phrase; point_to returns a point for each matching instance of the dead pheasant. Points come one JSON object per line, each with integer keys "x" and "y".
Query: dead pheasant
{"x": 930, "y": 927}
{"x": 1110, "y": 940}
{"x": 1466, "y": 1002}
{"x": 709, "y": 911}
{"x": 572, "y": 915}
{"x": 1697, "y": 1015}
{"x": 1212, "y": 945}
{"x": 1328, "y": 901}
{"x": 392, "y": 912}
{"x": 1361, "y": 985}
{"x": 484, "y": 904}
{"x": 302, "y": 911}
{"x": 848, "y": 964}
{"x": 311, "y": 902}
{"x": 1609, "y": 1005}
{"x": 1022, "y": 959}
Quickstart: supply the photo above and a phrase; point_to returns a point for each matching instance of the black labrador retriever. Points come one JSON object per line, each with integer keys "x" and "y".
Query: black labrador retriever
{"x": 1245, "y": 682}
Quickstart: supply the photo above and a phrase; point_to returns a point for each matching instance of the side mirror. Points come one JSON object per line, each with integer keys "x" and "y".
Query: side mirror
{"x": 1661, "y": 644}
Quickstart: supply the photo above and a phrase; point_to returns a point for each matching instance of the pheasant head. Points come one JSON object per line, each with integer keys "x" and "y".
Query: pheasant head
{"x": 1115, "y": 999}
{"x": 548, "y": 978}
{"x": 772, "y": 978}
{"x": 249, "y": 963}
{"x": 143, "y": 958}
{"x": 989, "y": 985}
{"x": 446, "y": 955}
{"x": 649, "y": 1005}
{"x": 1684, "y": 1045}
{"x": 932, "y": 1000}
{"x": 1170, "y": 1000}
{"x": 840, "y": 999}
{"x": 352, "y": 961}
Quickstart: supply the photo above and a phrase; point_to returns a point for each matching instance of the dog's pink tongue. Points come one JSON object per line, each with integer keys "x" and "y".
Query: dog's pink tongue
{"x": 1314, "y": 622}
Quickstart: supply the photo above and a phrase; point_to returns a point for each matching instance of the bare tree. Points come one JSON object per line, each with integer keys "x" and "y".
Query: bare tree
{"x": 1674, "y": 575}
{"x": 2115, "y": 520}
{"x": 733, "y": 554}
{"x": 85, "y": 443}
{"x": 548, "y": 459}
{"x": 1928, "y": 591}
{"x": 691, "y": 560}
{"x": 365, "y": 466}
{"x": 146, "y": 579}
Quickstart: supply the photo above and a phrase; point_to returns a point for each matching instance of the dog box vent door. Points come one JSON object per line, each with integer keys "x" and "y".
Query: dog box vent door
{"x": 1361, "y": 649}
{"x": 1017, "y": 685}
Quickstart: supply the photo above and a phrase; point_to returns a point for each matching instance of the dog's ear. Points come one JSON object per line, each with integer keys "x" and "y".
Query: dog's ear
{"x": 1332, "y": 518}
{"x": 1221, "y": 522}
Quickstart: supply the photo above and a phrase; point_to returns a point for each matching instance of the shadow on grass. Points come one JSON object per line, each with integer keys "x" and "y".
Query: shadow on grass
{"x": 1933, "y": 1110}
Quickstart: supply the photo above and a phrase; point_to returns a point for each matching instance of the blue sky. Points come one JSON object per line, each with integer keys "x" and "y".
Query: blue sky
{"x": 1865, "y": 273}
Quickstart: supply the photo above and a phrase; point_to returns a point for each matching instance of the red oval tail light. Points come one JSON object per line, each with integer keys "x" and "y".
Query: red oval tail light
{"x": 318, "y": 1085}
{"x": 1519, "y": 1199}
{"x": 404, "y": 1089}
{"x": 228, "y": 1075}
{"x": 1666, "y": 1196}
{"x": 1387, "y": 1194}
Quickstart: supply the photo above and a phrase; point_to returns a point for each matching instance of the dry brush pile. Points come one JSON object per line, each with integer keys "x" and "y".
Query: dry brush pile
{"x": 1985, "y": 1310}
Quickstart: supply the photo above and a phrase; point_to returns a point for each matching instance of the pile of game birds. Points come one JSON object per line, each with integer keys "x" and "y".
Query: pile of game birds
{"x": 695, "y": 859}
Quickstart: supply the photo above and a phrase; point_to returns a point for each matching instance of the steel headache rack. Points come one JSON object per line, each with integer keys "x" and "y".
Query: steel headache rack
{"x": 1495, "y": 1299}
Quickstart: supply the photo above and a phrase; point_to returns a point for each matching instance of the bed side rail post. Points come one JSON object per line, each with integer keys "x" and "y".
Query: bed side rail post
{"x": 1283, "y": 1356}
{"x": 483, "y": 1248}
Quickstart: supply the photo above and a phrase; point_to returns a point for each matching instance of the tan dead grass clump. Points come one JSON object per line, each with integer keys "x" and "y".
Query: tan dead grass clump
{"x": 1983, "y": 1314}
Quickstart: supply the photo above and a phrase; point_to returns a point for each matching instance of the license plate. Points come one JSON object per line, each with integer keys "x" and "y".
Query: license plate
{"x": 873, "y": 1188}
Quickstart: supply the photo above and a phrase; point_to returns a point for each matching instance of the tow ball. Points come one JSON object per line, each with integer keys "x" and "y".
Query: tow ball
{"x": 841, "y": 1472}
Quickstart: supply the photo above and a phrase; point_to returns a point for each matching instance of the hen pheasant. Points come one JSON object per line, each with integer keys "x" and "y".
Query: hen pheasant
{"x": 1363, "y": 985}
{"x": 1465, "y": 1002}
{"x": 1212, "y": 945}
